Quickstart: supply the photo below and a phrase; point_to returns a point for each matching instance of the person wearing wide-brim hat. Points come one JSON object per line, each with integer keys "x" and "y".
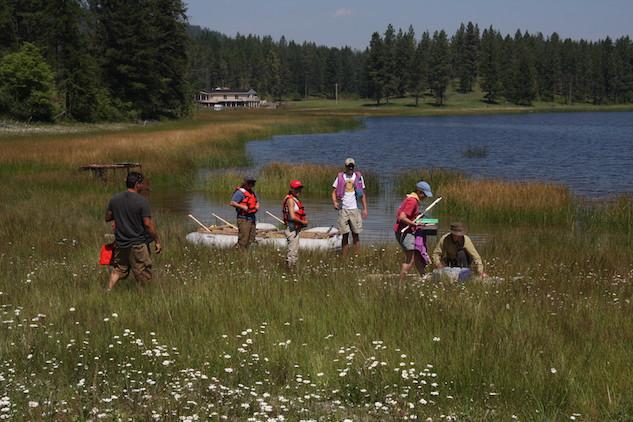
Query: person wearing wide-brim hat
{"x": 246, "y": 205}
{"x": 408, "y": 234}
{"x": 456, "y": 249}
{"x": 295, "y": 219}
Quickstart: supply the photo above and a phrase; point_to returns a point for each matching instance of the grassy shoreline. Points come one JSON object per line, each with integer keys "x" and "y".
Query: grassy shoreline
{"x": 220, "y": 335}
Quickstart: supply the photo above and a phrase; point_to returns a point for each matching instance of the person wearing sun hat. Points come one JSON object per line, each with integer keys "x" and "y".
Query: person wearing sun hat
{"x": 295, "y": 219}
{"x": 408, "y": 234}
{"x": 456, "y": 249}
{"x": 348, "y": 196}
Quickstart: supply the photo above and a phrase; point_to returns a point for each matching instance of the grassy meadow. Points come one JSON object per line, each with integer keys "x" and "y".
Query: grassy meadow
{"x": 225, "y": 336}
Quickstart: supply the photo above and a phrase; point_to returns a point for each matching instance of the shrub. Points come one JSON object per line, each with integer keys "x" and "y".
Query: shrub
{"x": 26, "y": 85}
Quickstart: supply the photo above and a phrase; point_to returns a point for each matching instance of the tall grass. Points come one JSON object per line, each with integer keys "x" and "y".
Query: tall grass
{"x": 171, "y": 153}
{"x": 216, "y": 326}
{"x": 274, "y": 179}
{"x": 496, "y": 201}
{"x": 616, "y": 214}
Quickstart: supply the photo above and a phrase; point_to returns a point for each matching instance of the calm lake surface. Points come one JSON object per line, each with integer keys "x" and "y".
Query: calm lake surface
{"x": 592, "y": 153}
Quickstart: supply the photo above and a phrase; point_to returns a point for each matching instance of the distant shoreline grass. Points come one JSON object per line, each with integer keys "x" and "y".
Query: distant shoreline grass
{"x": 274, "y": 177}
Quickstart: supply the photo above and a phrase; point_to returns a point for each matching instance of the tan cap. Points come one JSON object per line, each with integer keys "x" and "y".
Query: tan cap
{"x": 349, "y": 161}
{"x": 458, "y": 229}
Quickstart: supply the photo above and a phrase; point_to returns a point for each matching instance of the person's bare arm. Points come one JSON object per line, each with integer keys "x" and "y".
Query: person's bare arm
{"x": 406, "y": 220}
{"x": 363, "y": 201}
{"x": 335, "y": 203}
{"x": 151, "y": 229}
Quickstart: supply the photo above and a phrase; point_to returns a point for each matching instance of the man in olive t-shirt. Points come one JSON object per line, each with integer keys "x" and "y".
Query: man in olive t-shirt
{"x": 134, "y": 230}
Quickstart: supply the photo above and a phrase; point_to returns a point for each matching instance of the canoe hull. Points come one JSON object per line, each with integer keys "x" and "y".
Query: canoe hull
{"x": 228, "y": 241}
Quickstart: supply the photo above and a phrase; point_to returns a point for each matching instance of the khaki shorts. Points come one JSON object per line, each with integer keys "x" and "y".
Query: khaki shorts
{"x": 350, "y": 220}
{"x": 406, "y": 240}
{"x": 137, "y": 258}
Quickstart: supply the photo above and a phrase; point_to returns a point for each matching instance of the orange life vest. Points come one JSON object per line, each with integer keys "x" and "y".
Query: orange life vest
{"x": 250, "y": 200}
{"x": 301, "y": 213}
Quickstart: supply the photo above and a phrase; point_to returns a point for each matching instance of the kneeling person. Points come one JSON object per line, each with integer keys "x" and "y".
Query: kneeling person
{"x": 456, "y": 249}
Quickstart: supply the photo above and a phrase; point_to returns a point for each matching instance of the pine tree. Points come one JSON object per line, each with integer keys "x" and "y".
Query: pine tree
{"x": 405, "y": 56}
{"x": 523, "y": 72}
{"x": 609, "y": 70}
{"x": 457, "y": 48}
{"x": 490, "y": 64}
{"x": 273, "y": 68}
{"x": 582, "y": 80}
{"x": 624, "y": 70}
{"x": 376, "y": 68}
{"x": 171, "y": 60}
{"x": 67, "y": 52}
{"x": 439, "y": 66}
{"x": 8, "y": 33}
{"x": 550, "y": 78}
{"x": 390, "y": 71}
{"x": 507, "y": 76}
{"x": 419, "y": 80}
{"x": 470, "y": 58}
{"x": 128, "y": 55}
{"x": 333, "y": 71}
{"x": 569, "y": 54}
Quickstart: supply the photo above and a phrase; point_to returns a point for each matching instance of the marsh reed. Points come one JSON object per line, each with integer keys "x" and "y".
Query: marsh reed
{"x": 273, "y": 179}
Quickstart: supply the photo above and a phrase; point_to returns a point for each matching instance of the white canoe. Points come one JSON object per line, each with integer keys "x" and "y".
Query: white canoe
{"x": 219, "y": 240}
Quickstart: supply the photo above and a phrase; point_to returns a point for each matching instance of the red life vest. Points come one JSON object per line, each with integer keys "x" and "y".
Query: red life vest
{"x": 250, "y": 200}
{"x": 301, "y": 213}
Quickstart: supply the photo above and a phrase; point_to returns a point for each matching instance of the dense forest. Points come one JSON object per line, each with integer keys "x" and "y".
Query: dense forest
{"x": 90, "y": 60}
{"x": 519, "y": 69}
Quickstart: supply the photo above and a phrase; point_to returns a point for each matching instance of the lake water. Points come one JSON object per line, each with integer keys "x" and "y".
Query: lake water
{"x": 592, "y": 153}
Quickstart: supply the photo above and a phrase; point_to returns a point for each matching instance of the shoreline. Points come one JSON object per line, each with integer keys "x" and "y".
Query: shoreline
{"x": 12, "y": 129}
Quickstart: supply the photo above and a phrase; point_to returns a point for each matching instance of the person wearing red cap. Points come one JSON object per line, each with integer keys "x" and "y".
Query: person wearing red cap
{"x": 295, "y": 220}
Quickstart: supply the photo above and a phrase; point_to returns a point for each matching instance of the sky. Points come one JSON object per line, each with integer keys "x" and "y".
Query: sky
{"x": 338, "y": 23}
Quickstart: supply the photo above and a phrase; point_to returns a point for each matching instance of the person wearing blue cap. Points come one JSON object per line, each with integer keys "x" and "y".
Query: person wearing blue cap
{"x": 408, "y": 233}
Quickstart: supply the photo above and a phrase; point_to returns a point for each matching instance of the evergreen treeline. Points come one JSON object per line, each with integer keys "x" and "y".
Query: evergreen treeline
{"x": 277, "y": 69}
{"x": 93, "y": 59}
{"x": 519, "y": 69}
{"x": 111, "y": 59}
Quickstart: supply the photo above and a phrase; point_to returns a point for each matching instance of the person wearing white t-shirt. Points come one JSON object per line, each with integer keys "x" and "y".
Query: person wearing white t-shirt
{"x": 348, "y": 197}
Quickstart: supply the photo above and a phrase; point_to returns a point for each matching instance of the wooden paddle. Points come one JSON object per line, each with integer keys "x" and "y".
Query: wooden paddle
{"x": 224, "y": 221}
{"x": 419, "y": 217}
{"x": 201, "y": 225}
{"x": 276, "y": 218}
